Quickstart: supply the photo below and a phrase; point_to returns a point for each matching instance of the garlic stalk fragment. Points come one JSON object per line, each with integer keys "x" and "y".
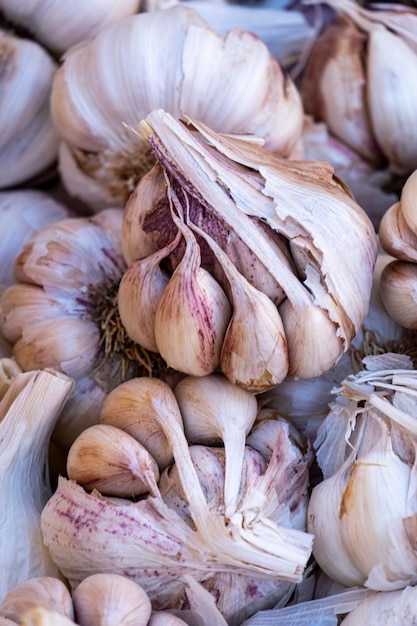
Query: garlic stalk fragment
{"x": 248, "y": 188}
{"x": 28, "y": 413}
{"x": 233, "y": 83}
{"x": 29, "y": 141}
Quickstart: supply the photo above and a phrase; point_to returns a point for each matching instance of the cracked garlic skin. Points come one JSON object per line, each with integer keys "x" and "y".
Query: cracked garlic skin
{"x": 232, "y": 83}
{"x": 235, "y": 191}
{"x": 29, "y": 141}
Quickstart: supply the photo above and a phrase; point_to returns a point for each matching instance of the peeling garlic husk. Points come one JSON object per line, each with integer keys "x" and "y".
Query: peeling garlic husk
{"x": 59, "y": 27}
{"x": 367, "y": 491}
{"x": 100, "y": 162}
{"x": 47, "y": 591}
{"x": 108, "y": 459}
{"x": 28, "y": 412}
{"x": 252, "y": 196}
{"x": 29, "y": 141}
{"x": 108, "y": 599}
{"x": 257, "y": 540}
{"x": 350, "y": 78}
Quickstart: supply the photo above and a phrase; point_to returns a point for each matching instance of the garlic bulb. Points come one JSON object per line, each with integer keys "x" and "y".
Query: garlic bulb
{"x": 28, "y": 413}
{"x": 59, "y": 26}
{"x": 108, "y": 599}
{"x": 354, "y": 69}
{"x": 362, "y": 512}
{"x": 22, "y": 214}
{"x": 235, "y": 191}
{"x": 398, "y": 236}
{"x": 29, "y": 142}
{"x": 391, "y": 607}
{"x": 154, "y": 544}
{"x": 47, "y": 591}
{"x": 232, "y": 83}
{"x": 42, "y": 616}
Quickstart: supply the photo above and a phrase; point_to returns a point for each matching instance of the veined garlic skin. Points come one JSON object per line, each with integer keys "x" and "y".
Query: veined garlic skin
{"x": 29, "y": 141}
{"x": 59, "y": 26}
{"x": 47, "y": 591}
{"x": 232, "y": 83}
{"x": 22, "y": 214}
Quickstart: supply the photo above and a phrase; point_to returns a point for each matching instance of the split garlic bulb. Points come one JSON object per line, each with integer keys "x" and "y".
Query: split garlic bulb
{"x": 113, "y": 81}
{"x": 275, "y": 233}
{"x": 184, "y": 528}
{"x": 29, "y": 142}
{"x": 361, "y": 80}
{"x": 362, "y": 514}
{"x": 58, "y": 26}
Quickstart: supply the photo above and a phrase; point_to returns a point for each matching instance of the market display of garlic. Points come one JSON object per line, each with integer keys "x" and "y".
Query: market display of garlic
{"x": 360, "y": 78}
{"x": 29, "y": 141}
{"x": 28, "y": 412}
{"x": 398, "y": 236}
{"x": 22, "y": 214}
{"x": 182, "y": 529}
{"x": 362, "y": 514}
{"x": 281, "y": 225}
{"x": 114, "y": 80}
{"x": 59, "y": 26}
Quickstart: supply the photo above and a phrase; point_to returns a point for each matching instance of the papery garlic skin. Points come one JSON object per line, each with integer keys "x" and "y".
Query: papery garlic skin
{"x": 390, "y": 607}
{"x": 29, "y": 141}
{"x": 22, "y": 214}
{"x": 60, "y": 26}
{"x": 233, "y": 84}
{"x": 28, "y": 413}
{"x": 49, "y": 591}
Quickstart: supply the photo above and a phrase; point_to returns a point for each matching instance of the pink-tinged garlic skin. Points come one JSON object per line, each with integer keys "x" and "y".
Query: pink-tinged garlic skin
{"x": 45, "y": 590}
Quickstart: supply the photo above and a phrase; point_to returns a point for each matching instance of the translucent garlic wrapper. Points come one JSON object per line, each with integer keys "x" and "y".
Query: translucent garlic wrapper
{"x": 398, "y": 236}
{"x": 232, "y": 83}
{"x": 276, "y": 234}
{"x": 361, "y": 80}
{"x": 58, "y": 26}
{"x": 244, "y": 538}
{"x": 29, "y": 141}
{"x": 363, "y": 513}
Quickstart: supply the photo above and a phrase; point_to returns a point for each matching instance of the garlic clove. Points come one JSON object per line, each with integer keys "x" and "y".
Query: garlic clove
{"x": 395, "y": 236}
{"x": 408, "y": 202}
{"x": 164, "y": 618}
{"x": 42, "y": 616}
{"x": 333, "y": 87}
{"x": 192, "y": 314}
{"x": 109, "y": 599}
{"x": 139, "y": 293}
{"x": 229, "y": 421}
{"x": 127, "y": 407}
{"x": 108, "y": 459}
{"x": 392, "y": 70}
{"x": 47, "y": 591}
{"x": 398, "y": 290}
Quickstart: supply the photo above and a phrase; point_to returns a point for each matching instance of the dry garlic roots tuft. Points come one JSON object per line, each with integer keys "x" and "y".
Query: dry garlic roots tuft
{"x": 232, "y": 516}
{"x": 398, "y": 236}
{"x": 29, "y": 141}
{"x": 220, "y": 216}
{"x": 363, "y": 513}
{"x": 361, "y": 79}
{"x": 232, "y": 83}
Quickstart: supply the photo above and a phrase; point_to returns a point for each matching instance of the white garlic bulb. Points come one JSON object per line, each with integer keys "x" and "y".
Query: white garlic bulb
{"x": 22, "y": 214}
{"x": 362, "y": 512}
{"x": 59, "y": 26}
{"x": 47, "y": 591}
{"x": 29, "y": 141}
{"x": 232, "y": 83}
